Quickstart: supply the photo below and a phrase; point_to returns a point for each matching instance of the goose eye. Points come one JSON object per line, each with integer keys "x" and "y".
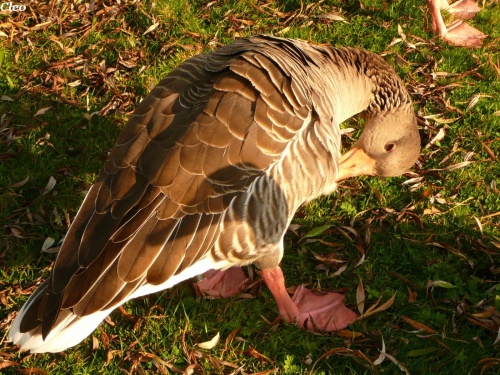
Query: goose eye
{"x": 390, "y": 147}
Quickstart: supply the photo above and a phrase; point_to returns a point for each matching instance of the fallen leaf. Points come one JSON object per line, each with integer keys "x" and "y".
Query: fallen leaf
{"x": 42, "y": 111}
{"x": 456, "y": 166}
{"x": 251, "y": 352}
{"x": 49, "y": 241}
{"x": 266, "y": 372}
{"x": 479, "y": 224}
{"x": 20, "y": 183}
{"x": 397, "y": 363}
{"x": 210, "y": 344}
{"x": 151, "y": 28}
{"x": 316, "y": 231}
{"x": 381, "y": 357}
{"x": 473, "y": 101}
{"x": 190, "y": 369}
{"x": 438, "y": 137}
{"x": 50, "y": 185}
{"x": 488, "y": 362}
{"x": 95, "y": 343}
{"x": 5, "y": 364}
{"x": 439, "y": 283}
{"x": 381, "y": 308}
{"x": 412, "y": 181}
{"x": 75, "y": 83}
{"x": 412, "y": 296}
{"x": 332, "y": 17}
{"x": 348, "y": 334}
{"x": 360, "y": 296}
{"x": 431, "y": 211}
{"x": 417, "y": 325}
{"x": 340, "y": 270}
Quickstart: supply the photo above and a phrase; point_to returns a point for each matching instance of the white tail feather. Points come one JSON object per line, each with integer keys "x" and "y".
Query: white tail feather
{"x": 70, "y": 329}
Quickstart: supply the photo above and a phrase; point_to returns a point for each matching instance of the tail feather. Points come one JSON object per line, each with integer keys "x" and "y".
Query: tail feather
{"x": 69, "y": 329}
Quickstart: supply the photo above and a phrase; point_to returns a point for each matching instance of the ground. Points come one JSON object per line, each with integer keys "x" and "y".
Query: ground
{"x": 420, "y": 250}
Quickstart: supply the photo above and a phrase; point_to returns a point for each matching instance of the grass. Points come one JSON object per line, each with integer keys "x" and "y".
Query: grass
{"x": 421, "y": 242}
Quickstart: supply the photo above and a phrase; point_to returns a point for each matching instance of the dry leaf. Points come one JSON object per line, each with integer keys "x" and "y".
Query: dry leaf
{"x": 381, "y": 357}
{"x": 348, "y": 334}
{"x": 498, "y": 337}
{"x": 50, "y": 185}
{"x": 397, "y": 363}
{"x": 190, "y": 369}
{"x": 151, "y": 28}
{"x": 438, "y": 137}
{"x": 431, "y": 211}
{"x": 473, "y": 101}
{"x": 488, "y": 150}
{"x": 443, "y": 75}
{"x": 360, "y": 296}
{"x": 332, "y": 17}
{"x": 20, "y": 183}
{"x": 439, "y": 283}
{"x": 251, "y": 352}
{"x": 42, "y": 111}
{"x": 456, "y": 166}
{"x": 49, "y": 241}
{"x": 412, "y": 181}
{"x": 340, "y": 270}
{"x": 417, "y": 325}
{"x": 381, "y": 308}
{"x": 95, "y": 343}
{"x": 445, "y": 120}
{"x": 210, "y": 344}
{"x": 479, "y": 224}
{"x": 395, "y": 41}
{"x": 412, "y": 296}
{"x": 5, "y": 364}
{"x": 75, "y": 83}
{"x": 401, "y": 33}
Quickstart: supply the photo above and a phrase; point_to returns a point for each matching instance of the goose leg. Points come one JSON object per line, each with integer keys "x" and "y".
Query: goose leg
{"x": 222, "y": 284}
{"x": 458, "y": 33}
{"x": 310, "y": 311}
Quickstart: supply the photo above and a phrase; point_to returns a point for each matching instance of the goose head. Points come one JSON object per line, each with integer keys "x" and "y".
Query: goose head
{"x": 388, "y": 146}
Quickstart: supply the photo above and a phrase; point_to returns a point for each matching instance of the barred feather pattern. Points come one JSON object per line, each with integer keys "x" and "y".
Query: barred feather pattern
{"x": 207, "y": 173}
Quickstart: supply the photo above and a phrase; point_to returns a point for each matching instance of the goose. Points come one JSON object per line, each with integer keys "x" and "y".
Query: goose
{"x": 458, "y": 32}
{"x": 208, "y": 173}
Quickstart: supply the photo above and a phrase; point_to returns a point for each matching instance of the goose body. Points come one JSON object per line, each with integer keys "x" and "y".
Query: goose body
{"x": 209, "y": 171}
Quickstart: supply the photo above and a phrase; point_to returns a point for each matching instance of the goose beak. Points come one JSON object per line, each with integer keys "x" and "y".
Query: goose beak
{"x": 356, "y": 162}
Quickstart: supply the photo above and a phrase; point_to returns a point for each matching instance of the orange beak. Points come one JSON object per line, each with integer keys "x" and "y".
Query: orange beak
{"x": 356, "y": 162}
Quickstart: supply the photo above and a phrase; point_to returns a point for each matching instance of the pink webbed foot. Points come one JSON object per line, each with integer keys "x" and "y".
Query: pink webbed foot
{"x": 464, "y": 35}
{"x": 324, "y": 313}
{"x": 222, "y": 284}
{"x": 310, "y": 311}
{"x": 458, "y": 33}
{"x": 464, "y": 9}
